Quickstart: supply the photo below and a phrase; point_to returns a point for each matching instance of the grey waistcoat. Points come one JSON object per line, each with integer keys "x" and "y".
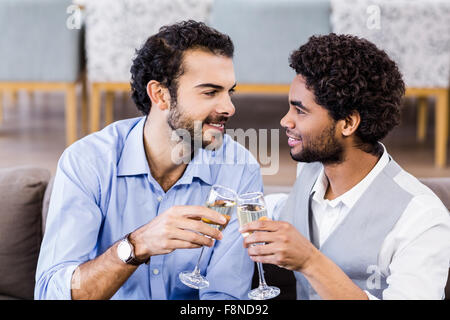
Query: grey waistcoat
{"x": 355, "y": 243}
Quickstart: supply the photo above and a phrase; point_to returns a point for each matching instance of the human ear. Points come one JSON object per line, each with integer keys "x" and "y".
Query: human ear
{"x": 158, "y": 94}
{"x": 350, "y": 123}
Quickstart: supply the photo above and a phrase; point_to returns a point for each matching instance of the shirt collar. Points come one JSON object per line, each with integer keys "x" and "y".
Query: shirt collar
{"x": 133, "y": 160}
{"x": 197, "y": 169}
{"x": 350, "y": 197}
{"x": 320, "y": 187}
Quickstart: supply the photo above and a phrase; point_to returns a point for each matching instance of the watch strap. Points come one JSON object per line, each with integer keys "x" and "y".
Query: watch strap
{"x": 135, "y": 262}
{"x": 132, "y": 259}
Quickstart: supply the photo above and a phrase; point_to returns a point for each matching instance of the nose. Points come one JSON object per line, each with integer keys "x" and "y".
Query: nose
{"x": 226, "y": 108}
{"x": 287, "y": 122}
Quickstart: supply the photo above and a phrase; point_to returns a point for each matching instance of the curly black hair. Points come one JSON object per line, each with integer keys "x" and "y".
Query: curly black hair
{"x": 347, "y": 73}
{"x": 160, "y": 58}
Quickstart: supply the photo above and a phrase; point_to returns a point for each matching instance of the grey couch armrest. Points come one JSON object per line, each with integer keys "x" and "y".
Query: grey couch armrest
{"x": 21, "y": 193}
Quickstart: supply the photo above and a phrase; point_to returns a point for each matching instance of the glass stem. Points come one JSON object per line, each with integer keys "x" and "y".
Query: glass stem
{"x": 262, "y": 280}
{"x": 197, "y": 269}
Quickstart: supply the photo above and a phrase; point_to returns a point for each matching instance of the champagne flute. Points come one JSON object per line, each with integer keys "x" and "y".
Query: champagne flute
{"x": 222, "y": 200}
{"x": 252, "y": 207}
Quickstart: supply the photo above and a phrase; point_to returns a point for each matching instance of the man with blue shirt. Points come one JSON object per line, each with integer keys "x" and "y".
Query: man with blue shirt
{"x": 141, "y": 184}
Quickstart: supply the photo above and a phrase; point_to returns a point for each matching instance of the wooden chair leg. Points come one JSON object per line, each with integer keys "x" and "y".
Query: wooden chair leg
{"x": 71, "y": 114}
{"x": 95, "y": 108}
{"x": 84, "y": 105}
{"x": 442, "y": 113}
{"x": 422, "y": 118}
{"x": 448, "y": 106}
{"x": 109, "y": 107}
{"x": 125, "y": 95}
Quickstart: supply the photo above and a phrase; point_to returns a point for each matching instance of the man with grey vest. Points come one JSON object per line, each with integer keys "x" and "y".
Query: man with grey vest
{"x": 356, "y": 225}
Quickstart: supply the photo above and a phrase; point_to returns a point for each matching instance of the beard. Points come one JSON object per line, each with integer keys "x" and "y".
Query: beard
{"x": 324, "y": 148}
{"x": 191, "y": 131}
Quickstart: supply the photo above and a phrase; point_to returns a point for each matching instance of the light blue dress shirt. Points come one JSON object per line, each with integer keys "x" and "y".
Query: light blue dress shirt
{"x": 103, "y": 189}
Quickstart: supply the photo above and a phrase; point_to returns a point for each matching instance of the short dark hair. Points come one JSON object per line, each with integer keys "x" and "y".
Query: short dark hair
{"x": 347, "y": 73}
{"x": 160, "y": 58}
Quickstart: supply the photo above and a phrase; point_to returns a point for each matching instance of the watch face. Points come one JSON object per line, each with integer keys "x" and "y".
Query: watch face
{"x": 124, "y": 250}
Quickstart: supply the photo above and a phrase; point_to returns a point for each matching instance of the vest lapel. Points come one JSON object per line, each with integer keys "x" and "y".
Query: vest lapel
{"x": 296, "y": 212}
{"x": 377, "y": 207}
{"x": 297, "y": 205}
{"x": 355, "y": 243}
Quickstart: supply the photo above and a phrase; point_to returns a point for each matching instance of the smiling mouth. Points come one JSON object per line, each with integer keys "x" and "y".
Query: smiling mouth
{"x": 217, "y": 125}
{"x": 293, "y": 141}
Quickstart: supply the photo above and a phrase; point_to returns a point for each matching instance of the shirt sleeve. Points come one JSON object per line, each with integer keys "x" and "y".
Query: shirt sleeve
{"x": 72, "y": 227}
{"x": 230, "y": 258}
{"x": 275, "y": 203}
{"x": 419, "y": 265}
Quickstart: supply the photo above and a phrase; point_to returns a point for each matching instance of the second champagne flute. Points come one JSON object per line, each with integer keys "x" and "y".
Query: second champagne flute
{"x": 222, "y": 200}
{"x": 252, "y": 207}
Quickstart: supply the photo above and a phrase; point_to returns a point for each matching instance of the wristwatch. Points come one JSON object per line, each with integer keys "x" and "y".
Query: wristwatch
{"x": 125, "y": 251}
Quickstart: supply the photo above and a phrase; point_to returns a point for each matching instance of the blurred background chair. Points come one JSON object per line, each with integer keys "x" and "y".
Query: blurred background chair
{"x": 114, "y": 30}
{"x": 416, "y": 34}
{"x": 264, "y": 33}
{"x": 39, "y": 52}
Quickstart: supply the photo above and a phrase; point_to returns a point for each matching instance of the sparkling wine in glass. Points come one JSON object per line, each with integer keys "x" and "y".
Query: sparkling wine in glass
{"x": 252, "y": 207}
{"x": 222, "y": 200}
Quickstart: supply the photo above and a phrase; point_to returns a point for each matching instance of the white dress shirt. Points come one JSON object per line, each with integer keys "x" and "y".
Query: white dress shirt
{"x": 328, "y": 214}
{"x": 415, "y": 254}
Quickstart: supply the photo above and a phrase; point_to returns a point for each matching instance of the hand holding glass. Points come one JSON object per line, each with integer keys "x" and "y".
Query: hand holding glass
{"x": 252, "y": 207}
{"x": 222, "y": 200}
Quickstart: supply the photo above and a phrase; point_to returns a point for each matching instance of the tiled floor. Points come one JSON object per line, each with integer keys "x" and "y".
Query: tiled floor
{"x": 33, "y": 133}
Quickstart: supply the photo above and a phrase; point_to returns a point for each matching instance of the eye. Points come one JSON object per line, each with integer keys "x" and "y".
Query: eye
{"x": 231, "y": 92}
{"x": 299, "y": 111}
{"x": 210, "y": 93}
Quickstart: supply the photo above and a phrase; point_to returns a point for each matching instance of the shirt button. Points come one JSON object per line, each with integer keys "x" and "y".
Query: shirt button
{"x": 155, "y": 272}
{"x": 160, "y": 198}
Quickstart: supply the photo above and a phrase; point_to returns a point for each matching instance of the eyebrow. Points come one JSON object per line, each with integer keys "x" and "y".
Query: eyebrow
{"x": 212, "y": 85}
{"x": 298, "y": 104}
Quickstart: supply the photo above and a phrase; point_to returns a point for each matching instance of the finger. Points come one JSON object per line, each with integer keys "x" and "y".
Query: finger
{"x": 246, "y": 234}
{"x": 197, "y": 212}
{"x": 259, "y": 237}
{"x": 262, "y": 250}
{"x": 181, "y": 244}
{"x": 201, "y": 227}
{"x": 267, "y": 259}
{"x": 192, "y": 237}
{"x": 260, "y": 225}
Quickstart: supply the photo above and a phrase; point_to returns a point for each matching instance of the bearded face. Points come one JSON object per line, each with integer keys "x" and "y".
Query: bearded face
{"x": 312, "y": 133}
{"x": 207, "y": 133}
{"x": 316, "y": 147}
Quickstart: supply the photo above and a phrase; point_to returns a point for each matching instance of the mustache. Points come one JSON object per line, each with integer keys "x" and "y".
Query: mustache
{"x": 216, "y": 119}
{"x": 292, "y": 134}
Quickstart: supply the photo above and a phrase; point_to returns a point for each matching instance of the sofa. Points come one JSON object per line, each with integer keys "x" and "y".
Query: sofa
{"x": 24, "y": 198}
{"x": 22, "y": 194}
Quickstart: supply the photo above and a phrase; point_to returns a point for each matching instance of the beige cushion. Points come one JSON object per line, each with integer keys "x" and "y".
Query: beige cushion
{"x": 21, "y": 193}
